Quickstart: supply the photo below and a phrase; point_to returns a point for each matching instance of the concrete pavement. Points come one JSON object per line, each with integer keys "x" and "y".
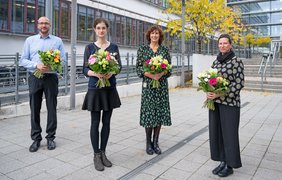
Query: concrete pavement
{"x": 185, "y": 144}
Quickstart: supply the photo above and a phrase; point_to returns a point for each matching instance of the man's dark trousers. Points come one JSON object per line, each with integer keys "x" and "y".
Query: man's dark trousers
{"x": 49, "y": 85}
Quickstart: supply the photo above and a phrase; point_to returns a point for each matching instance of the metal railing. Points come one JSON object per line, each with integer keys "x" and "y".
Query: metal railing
{"x": 269, "y": 61}
{"x": 14, "y": 78}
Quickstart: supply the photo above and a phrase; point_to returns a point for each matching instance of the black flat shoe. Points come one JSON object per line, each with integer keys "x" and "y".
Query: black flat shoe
{"x": 34, "y": 146}
{"x": 51, "y": 144}
{"x": 216, "y": 170}
{"x": 226, "y": 171}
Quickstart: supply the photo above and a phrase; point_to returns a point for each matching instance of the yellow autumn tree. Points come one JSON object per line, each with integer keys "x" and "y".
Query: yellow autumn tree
{"x": 253, "y": 40}
{"x": 203, "y": 18}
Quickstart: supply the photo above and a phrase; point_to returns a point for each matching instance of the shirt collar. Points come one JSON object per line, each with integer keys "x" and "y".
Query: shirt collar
{"x": 49, "y": 36}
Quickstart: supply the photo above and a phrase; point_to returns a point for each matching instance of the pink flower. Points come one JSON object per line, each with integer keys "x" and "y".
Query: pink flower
{"x": 163, "y": 66}
{"x": 148, "y": 61}
{"x": 108, "y": 57}
{"x": 212, "y": 81}
{"x": 92, "y": 60}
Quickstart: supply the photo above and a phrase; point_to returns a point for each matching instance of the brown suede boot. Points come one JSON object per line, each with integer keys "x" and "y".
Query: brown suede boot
{"x": 105, "y": 160}
{"x": 98, "y": 162}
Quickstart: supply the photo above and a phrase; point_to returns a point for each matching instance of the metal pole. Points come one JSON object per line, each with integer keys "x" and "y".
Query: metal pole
{"x": 73, "y": 53}
{"x": 17, "y": 77}
{"x": 48, "y": 13}
{"x": 182, "y": 77}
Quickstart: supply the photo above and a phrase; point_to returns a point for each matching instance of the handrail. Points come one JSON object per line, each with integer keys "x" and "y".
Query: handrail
{"x": 14, "y": 78}
{"x": 269, "y": 60}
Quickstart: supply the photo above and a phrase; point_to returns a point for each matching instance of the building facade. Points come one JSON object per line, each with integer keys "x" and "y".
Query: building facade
{"x": 263, "y": 16}
{"x": 129, "y": 20}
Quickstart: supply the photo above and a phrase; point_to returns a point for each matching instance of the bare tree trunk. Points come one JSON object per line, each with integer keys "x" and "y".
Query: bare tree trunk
{"x": 199, "y": 42}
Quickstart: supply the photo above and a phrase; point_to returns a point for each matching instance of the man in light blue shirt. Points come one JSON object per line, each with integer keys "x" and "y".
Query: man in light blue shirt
{"x": 48, "y": 85}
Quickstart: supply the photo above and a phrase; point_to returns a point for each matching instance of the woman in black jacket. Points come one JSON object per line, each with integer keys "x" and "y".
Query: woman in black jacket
{"x": 97, "y": 99}
{"x": 224, "y": 120}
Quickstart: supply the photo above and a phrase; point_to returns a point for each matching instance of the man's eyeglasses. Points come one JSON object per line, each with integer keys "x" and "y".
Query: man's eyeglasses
{"x": 44, "y": 23}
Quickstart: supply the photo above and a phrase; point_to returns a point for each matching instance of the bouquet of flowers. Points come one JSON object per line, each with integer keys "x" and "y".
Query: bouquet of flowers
{"x": 50, "y": 58}
{"x": 211, "y": 81}
{"x": 103, "y": 62}
{"x": 157, "y": 65}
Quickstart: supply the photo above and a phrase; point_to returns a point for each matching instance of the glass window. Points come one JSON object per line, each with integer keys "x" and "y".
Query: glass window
{"x": 261, "y": 30}
{"x": 276, "y": 30}
{"x": 276, "y": 17}
{"x": 128, "y": 31}
{"x": 81, "y": 19}
{"x": 242, "y": 7}
{"x": 98, "y": 13}
{"x": 90, "y": 22}
{"x": 276, "y": 5}
{"x": 56, "y": 18}
{"x": 118, "y": 29}
{"x": 260, "y": 18}
{"x": 30, "y": 17}
{"x": 4, "y": 15}
{"x": 18, "y": 16}
{"x": 245, "y": 19}
{"x": 133, "y": 34}
{"x": 65, "y": 19}
{"x": 41, "y": 8}
{"x": 111, "y": 31}
{"x": 140, "y": 33}
{"x": 105, "y": 15}
{"x": 123, "y": 30}
{"x": 259, "y": 6}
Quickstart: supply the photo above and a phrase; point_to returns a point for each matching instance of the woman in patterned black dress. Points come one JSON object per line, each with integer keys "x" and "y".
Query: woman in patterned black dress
{"x": 155, "y": 108}
{"x": 224, "y": 120}
{"x": 97, "y": 99}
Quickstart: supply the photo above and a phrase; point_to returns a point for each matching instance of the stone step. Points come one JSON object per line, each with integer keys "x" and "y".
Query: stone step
{"x": 263, "y": 89}
{"x": 271, "y": 84}
{"x": 255, "y": 82}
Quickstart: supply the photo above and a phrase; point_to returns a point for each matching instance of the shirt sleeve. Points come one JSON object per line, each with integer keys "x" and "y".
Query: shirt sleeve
{"x": 139, "y": 63}
{"x": 238, "y": 80}
{"x": 118, "y": 58}
{"x": 62, "y": 52}
{"x": 85, "y": 61}
{"x": 25, "y": 60}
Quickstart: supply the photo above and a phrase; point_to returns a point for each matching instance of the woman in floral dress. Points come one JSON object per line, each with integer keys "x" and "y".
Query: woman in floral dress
{"x": 155, "y": 108}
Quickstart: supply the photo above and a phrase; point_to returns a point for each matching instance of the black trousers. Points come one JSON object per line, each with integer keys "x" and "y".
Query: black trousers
{"x": 49, "y": 86}
{"x": 224, "y": 137}
{"x": 94, "y": 130}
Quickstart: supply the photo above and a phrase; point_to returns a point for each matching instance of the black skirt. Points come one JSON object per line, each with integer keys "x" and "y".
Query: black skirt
{"x": 101, "y": 99}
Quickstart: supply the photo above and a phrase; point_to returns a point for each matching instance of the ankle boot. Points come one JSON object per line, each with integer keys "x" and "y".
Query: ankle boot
{"x": 149, "y": 147}
{"x": 216, "y": 170}
{"x": 226, "y": 171}
{"x": 98, "y": 162}
{"x": 156, "y": 146}
{"x": 105, "y": 160}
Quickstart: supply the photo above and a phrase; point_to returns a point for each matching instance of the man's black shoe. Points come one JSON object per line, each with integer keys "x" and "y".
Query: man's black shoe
{"x": 34, "y": 146}
{"x": 51, "y": 144}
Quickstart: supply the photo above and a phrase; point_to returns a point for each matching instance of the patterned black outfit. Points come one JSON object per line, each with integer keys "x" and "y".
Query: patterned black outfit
{"x": 224, "y": 120}
{"x": 155, "y": 108}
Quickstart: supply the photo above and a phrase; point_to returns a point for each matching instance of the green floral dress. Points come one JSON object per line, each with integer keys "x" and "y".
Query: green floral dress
{"x": 155, "y": 108}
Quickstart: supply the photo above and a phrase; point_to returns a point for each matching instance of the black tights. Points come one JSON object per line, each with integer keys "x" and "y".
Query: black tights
{"x": 105, "y": 132}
